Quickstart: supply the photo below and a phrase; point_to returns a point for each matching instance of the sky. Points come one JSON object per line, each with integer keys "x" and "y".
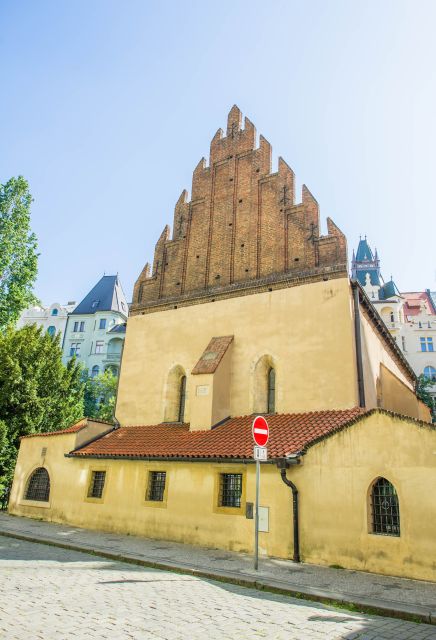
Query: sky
{"x": 106, "y": 107}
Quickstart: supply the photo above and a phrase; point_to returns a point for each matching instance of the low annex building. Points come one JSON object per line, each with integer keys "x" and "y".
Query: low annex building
{"x": 249, "y": 309}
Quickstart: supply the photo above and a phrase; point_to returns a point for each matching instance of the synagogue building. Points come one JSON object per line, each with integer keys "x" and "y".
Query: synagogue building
{"x": 247, "y": 309}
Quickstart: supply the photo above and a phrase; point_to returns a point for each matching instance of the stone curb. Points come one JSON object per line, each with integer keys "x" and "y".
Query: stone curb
{"x": 414, "y": 613}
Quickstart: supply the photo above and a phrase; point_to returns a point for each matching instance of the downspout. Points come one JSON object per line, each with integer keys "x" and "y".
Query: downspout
{"x": 289, "y": 483}
{"x": 358, "y": 339}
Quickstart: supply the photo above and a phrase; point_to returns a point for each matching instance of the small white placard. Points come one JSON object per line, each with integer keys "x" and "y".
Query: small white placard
{"x": 264, "y": 519}
{"x": 202, "y": 390}
{"x": 260, "y": 453}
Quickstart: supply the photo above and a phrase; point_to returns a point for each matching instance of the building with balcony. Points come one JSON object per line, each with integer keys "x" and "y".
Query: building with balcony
{"x": 96, "y": 328}
{"x": 52, "y": 318}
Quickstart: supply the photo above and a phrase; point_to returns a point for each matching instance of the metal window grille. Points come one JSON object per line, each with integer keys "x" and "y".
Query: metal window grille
{"x": 230, "y": 490}
{"x": 271, "y": 391}
{"x": 156, "y": 485}
{"x": 97, "y": 484}
{"x": 385, "y": 509}
{"x": 38, "y": 487}
{"x": 182, "y": 399}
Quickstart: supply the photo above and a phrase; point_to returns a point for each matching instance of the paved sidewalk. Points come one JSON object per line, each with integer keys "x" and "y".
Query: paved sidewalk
{"x": 400, "y": 597}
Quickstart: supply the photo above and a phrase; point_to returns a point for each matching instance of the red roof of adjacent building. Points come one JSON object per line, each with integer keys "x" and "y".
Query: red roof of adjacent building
{"x": 414, "y": 299}
{"x": 289, "y": 434}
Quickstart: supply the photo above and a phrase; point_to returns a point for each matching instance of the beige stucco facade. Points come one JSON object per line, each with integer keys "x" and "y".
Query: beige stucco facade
{"x": 334, "y": 480}
{"x": 306, "y": 331}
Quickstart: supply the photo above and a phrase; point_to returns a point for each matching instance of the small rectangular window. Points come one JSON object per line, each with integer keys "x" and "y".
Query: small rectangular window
{"x": 102, "y": 323}
{"x": 97, "y": 484}
{"x": 230, "y": 489}
{"x": 76, "y": 326}
{"x": 82, "y": 326}
{"x": 156, "y": 486}
{"x": 423, "y": 344}
{"x": 99, "y": 346}
{"x": 75, "y": 349}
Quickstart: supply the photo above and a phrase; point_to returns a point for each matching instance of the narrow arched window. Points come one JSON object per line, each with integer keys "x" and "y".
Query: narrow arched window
{"x": 51, "y": 331}
{"x": 271, "y": 404}
{"x": 38, "y": 486}
{"x": 385, "y": 509}
{"x": 95, "y": 371}
{"x": 182, "y": 398}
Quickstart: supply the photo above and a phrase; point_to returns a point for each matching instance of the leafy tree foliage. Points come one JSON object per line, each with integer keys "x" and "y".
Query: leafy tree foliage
{"x": 18, "y": 256}
{"x": 423, "y": 392}
{"x": 100, "y": 395}
{"x": 37, "y": 392}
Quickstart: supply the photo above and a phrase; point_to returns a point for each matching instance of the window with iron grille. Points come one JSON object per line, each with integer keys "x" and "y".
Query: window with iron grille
{"x": 38, "y": 486}
{"x": 156, "y": 486}
{"x": 385, "y": 509}
{"x": 230, "y": 489}
{"x": 97, "y": 484}
{"x": 271, "y": 391}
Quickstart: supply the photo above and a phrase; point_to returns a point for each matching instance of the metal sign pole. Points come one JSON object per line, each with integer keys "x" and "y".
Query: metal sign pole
{"x": 256, "y": 518}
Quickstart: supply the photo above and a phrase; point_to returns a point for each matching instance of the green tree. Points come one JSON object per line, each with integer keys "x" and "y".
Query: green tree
{"x": 423, "y": 392}
{"x": 37, "y": 392}
{"x": 100, "y": 395}
{"x": 18, "y": 256}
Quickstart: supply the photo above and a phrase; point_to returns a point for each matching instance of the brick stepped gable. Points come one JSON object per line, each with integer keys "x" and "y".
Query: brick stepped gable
{"x": 241, "y": 230}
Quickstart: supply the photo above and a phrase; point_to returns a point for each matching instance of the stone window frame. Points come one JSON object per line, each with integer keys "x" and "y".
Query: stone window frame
{"x": 91, "y": 471}
{"x": 219, "y": 472}
{"x": 36, "y": 503}
{"x": 370, "y": 510}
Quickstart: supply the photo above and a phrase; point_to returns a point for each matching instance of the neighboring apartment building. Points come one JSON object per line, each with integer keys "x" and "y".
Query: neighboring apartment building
{"x": 410, "y": 317}
{"x": 52, "y": 319}
{"x": 96, "y": 328}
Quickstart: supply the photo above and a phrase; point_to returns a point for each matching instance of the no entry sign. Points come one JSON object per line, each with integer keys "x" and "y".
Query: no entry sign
{"x": 260, "y": 431}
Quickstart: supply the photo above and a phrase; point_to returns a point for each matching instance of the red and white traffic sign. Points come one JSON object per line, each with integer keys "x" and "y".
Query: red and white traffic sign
{"x": 260, "y": 431}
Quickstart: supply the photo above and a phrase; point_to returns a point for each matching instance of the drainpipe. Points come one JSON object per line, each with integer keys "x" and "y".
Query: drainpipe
{"x": 282, "y": 466}
{"x": 358, "y": 339}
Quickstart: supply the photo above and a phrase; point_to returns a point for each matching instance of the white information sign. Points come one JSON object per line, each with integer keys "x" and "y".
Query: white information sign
{"x": 260, "y": 453}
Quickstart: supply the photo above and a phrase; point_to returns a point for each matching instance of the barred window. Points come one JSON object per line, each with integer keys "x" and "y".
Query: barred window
{"x": 156, "y": 486}
{"x": 230, "y": 490}
{"x": 38, "y": 486}
{"x": 97, "y": 484}
{"x": 385, "y": 509}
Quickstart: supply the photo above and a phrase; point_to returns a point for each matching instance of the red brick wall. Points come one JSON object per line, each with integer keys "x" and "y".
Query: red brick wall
{"x": 242, "y": 224}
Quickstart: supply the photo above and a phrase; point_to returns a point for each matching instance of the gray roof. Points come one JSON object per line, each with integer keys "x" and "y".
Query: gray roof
{"x": 107, "y": 295}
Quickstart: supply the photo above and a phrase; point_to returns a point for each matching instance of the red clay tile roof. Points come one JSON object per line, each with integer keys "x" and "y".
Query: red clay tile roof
{"x": 289, "y": 433}
{"x": 78, "y": 426}
{"x": 212, "y": 355}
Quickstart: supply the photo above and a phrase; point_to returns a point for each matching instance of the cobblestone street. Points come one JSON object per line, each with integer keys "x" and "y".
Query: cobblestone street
{"x": 48, "y": 593}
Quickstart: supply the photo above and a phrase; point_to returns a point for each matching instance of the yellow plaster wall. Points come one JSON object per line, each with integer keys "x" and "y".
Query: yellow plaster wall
{"x": 307, "y": 330}
{"x": 210, "y": 408}
{"x": 375, "y": 354}
{"x": 333, "y": 482}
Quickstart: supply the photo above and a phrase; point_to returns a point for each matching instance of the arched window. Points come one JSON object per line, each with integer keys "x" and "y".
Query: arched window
{"x": 430, "y": 373}
{"x": 95, "y": 371}
{"x": 175, "y": 395}
{"x": 264, "y": 385}
{"x": 271, "y": 391}
{"x": 51, "y": 331}
{"x": 38, "y": 486}
{"x": 385, "y": 510}
{"x": 54, "y": 312}
{"x": 182, "y": 398}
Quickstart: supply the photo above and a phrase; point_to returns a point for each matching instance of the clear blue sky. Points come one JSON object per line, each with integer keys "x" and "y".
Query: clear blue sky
{"x": 107, "y": 106}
